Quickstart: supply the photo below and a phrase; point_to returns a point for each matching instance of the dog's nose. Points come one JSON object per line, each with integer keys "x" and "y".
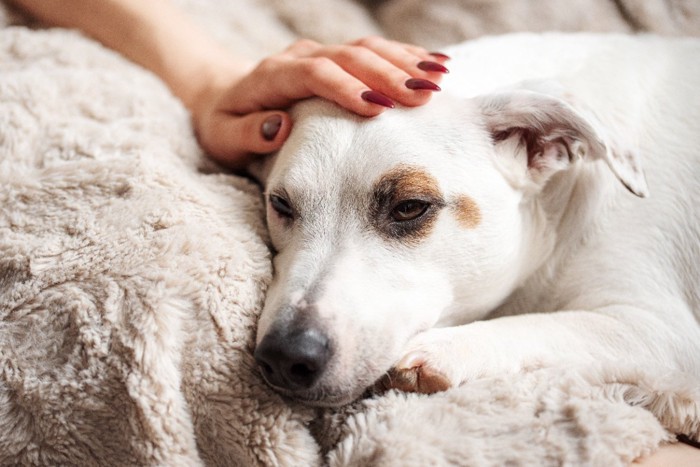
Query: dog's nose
{"x": 293, "y": 360}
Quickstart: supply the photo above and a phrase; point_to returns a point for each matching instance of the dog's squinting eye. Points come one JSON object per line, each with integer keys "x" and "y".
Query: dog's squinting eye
{"x": 409, "y": 210}
{"x": 281, "y": 206}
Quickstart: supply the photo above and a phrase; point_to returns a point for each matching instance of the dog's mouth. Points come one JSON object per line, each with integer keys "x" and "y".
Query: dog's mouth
{"x": 321, "y": 397}
{"x": 318, "y": 397}
{"x": 327, "y": 402}
{"x": 303, "y": 364}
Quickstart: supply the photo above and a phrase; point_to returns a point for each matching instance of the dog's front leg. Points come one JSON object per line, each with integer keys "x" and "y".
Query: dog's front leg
{"x": 441, "y": 358}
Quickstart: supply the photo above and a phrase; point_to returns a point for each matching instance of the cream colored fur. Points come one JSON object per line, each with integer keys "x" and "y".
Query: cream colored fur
{"x": 132, "y": 272}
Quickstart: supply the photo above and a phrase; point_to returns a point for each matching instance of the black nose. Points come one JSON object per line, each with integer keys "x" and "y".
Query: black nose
{"x": 293, "y": 359}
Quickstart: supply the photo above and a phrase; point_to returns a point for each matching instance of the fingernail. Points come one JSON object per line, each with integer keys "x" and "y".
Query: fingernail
{"x": 440, "y": 55}
{"x": 432, "y": 66}
{"x": 377, "y": 98}
{"x": 270, "y": 127}
{"x": 421, "y": 84}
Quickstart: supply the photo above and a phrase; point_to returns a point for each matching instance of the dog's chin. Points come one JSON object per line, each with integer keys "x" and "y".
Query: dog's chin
{"x": 328, "y": 402}
{"x": 320, "y": 398}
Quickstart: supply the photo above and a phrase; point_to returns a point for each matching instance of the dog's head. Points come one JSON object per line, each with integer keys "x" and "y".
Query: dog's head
{"x": 385, "y": 227}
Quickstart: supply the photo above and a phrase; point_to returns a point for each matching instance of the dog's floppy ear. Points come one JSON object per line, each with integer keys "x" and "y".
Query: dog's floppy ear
{"x": 554, "y": 134}
{"x": 261, "y": 167}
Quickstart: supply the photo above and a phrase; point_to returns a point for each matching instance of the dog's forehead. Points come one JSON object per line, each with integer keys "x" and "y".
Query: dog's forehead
{"x": 343, "y": 173}
{"x": 331, "y": 146}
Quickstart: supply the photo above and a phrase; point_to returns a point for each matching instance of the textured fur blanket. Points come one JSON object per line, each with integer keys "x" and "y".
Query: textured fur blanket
{"x": 132, "y": 271}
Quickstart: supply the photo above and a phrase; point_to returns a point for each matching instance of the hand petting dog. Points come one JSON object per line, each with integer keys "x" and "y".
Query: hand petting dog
{"x": 237, "y": 106}
{"x": 366, "y": 77}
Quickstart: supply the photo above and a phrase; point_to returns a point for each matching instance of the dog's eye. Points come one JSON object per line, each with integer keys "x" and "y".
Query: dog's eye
{"x": 409, "y": 210}
{"x": 281, "y": 206}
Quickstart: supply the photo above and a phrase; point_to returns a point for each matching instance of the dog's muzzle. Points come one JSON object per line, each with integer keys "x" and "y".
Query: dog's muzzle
{"x": 295, "y": 358}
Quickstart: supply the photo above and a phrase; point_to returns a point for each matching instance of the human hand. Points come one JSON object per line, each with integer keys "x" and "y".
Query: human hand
{"x": 233, "y": 117}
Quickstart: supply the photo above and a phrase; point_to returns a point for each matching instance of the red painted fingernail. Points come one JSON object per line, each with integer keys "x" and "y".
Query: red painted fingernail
{"x": 270, "y": 127}
{"x": 377, "y": 98}
{"x": 432, "y": 66}
{"x": 440, "y": 55}
{"x": 421, "y": 84}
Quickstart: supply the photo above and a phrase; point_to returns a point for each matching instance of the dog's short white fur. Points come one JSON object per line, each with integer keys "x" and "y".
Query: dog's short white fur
{"x": 541, "y": 211}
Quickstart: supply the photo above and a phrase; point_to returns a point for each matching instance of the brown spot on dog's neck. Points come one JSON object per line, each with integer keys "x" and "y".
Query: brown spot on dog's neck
{"x": 467, "y": 212}
{"x": 403, "y": 183}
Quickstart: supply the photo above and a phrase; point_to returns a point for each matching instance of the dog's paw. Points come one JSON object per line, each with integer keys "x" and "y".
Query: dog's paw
{"x": 414, "y": 374}
{"x": 433, "y": 362}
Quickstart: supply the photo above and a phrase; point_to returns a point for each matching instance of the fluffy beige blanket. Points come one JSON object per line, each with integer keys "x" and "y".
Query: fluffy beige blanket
{"x": 132, "y": 271}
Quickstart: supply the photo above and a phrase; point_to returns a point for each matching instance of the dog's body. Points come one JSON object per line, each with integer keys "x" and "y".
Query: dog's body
{"x": 501, "y": 197}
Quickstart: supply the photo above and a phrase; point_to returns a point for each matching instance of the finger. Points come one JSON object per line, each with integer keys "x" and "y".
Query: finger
{"x": 414, "y": 60}
{"x": 233, "y": 140}
{"x": 419, "y": 52}
{"x": 357, "y": 60}
{"x": 323, "y": 77}
{"x": 382, "y": 75}
{"x": 378, "y": 43}
{"x": 398, "y": 53}
{"x": 279, "y": 82}
{"x": 440, "y": 57}
{"x": 424, "y": 53}
{"x": 302, "y": 48}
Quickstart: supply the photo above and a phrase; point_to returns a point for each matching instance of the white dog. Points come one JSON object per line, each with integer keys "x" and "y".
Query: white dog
{"x": 504, "y": 226}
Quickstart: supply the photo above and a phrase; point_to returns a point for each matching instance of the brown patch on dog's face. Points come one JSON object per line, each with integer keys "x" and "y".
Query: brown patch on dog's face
{"x": 405, "y": 204}
{"x": 467, "y": 212}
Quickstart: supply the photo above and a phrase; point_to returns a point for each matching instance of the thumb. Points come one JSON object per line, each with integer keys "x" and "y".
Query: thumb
{"x": 234, "y": 139}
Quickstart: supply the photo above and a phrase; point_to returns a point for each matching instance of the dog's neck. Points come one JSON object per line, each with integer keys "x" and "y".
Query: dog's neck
{"x": 557, "y": 221}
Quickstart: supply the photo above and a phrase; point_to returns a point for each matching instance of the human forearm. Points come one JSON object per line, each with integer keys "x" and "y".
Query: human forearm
{"x": 238, "y": 107}
{"x": 152, "y": 33}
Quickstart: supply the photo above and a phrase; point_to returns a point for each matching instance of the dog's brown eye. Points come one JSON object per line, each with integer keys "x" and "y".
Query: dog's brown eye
{"x": 281, "y": 206}
{"x": 409, "y": 210}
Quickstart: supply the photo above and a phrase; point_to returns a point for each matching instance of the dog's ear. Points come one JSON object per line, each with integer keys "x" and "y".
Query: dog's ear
{"x": 261, "y": 167}
{"x": 554, "y": 134}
